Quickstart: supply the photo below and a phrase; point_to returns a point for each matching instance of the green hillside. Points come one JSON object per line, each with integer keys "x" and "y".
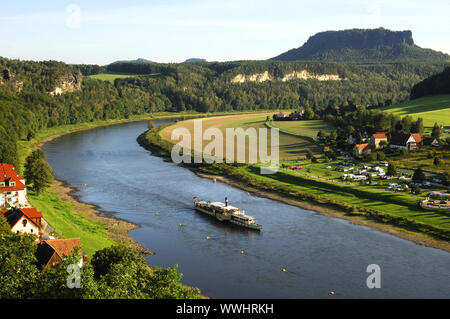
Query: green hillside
{"x": 433, "y": 109}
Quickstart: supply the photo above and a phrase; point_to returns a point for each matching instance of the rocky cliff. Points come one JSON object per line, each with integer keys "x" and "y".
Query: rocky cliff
{"x": 7, "y": 77}
{"x": 67, "y": 83}
{"x": 265, "y": 76}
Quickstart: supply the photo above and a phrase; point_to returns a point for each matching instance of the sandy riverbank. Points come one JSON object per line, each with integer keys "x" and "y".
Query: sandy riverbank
{"x": 417, "y": 238}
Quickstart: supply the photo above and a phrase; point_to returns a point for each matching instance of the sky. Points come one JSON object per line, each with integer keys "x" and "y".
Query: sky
{"x": 104, "y": 31}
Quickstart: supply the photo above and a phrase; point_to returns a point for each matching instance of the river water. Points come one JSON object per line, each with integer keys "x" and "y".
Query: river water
{"x": 320, "y": 254}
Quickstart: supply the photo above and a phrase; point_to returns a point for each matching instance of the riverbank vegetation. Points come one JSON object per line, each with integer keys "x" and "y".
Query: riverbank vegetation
{"x": 114, "y": 272}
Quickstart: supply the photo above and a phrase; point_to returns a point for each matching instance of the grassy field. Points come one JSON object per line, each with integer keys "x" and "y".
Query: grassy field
{"x": 290, "y": 148}
{"x": 433, "y": 109}
{"x": 394, "y": 204}
{"x": 424, "y": 158}
{"x": 69, "y": 223}
{"x": 304, "y": 128}
{"x": 110, "y": 76}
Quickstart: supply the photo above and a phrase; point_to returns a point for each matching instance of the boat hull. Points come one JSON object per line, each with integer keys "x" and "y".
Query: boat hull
{"x": 223, "y": 218}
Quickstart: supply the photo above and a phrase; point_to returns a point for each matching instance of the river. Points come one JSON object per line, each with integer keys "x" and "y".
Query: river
{"x": 319, "y": 254}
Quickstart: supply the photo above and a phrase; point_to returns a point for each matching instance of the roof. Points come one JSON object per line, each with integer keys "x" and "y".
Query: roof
{"x": 14, "y": 215}
{"x": 429, "y": 140}
{"x": 380, "y": 135}
{"x": 361, "y": 146}
{"x": 31, "y": 212}
{"x": 417, "y": 137}
{"x": 7, "y": 175}
{"x": 64, "y": 247}
{"x": 399, "y": 138}
{"x": 44, "y": 253}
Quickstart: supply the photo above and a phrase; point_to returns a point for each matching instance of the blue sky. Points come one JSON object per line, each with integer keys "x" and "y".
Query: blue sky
{"x": 100, "y": 32}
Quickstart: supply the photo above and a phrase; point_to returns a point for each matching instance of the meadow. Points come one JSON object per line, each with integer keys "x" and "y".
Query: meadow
{"x": 433, "y": 109}
{"x": 110, "y": 77}
{"x": 291, "y": 147}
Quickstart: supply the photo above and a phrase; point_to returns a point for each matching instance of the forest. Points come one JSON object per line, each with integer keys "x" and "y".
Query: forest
{"x": 436, "y": 84}
{"x": 26, "y": 106}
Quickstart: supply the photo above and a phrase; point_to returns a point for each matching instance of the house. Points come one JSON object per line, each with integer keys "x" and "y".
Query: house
{"x": 279, "y": 115}
{"x": 24, "y": 220}
{"x": 418, "y": 138}
{"x": 52, "y": 251}
{"x": 430, "y": 141}
{"x": 377, "y": 138}
{"x": 406, "y": 141}
{"x": 361, "y": 149}
{"x": 326, "y": 149}
{"x": 12, "y": 187}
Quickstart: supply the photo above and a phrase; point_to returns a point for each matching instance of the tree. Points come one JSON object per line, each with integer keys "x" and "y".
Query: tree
{"x": 19, "y": 276}
{"x": 391, "y": 170}
{"x": 381, "y": 156}
{"x": 437, "y": 161}
{"x": 37, "y": 171}
{"x": 446, "y": 179}
{"x": 416, "y": 189}
{"x": 436, "y": 132}
{"x": 418, "y": 175}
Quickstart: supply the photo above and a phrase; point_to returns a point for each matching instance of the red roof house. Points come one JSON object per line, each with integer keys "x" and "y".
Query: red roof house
{"x": 362, "y": 148}
{"x": 51, "y": 252}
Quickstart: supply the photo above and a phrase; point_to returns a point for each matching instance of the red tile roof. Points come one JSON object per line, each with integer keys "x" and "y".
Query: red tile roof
{"x": 8, "y": 175}
{"x": 64, "y": 247}
{"x": 417, "y": 137}
{"x": 15, "y": 214}
{"x": 380, "y": 135}
{"x": 31, "y": 212}
{"x": 361, "y": 146}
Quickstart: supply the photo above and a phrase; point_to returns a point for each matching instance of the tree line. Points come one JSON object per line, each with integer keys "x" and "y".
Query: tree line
{"x": 27, "y": 108}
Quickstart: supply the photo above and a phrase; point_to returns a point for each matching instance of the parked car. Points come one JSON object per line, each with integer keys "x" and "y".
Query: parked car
{"x": 426, "y": 184}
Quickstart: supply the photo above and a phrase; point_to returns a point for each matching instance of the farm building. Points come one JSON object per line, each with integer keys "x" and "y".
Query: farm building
{"x": 361, "y": 149}
{"x": 377, "y": 138}
{"x": 407, "y": 141}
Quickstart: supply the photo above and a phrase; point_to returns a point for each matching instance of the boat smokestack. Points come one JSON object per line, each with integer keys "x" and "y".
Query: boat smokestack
{"x": 226, "y": 201}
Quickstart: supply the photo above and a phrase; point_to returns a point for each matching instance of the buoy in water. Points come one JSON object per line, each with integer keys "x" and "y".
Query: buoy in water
{"x": 180, "y": 225}
{"x": 332, "y": 293}
{"x": 207, "y": 237}
{"x": 242, "y": 252}
{"x": 283, "y": 270}
{"x": 84, "y": 184}
{"x": 156, "y": 214}
{"x": 134, "y": 205}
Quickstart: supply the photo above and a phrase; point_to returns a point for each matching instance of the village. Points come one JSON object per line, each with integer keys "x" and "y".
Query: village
{"x": 365, "y": 160}
{"x": 25, "y": 219}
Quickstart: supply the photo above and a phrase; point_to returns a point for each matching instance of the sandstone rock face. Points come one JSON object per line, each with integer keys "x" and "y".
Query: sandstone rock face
{"x": 67, "y": 83}
{"x": 303, "y": 74}
{"x": 7, "y": 77}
